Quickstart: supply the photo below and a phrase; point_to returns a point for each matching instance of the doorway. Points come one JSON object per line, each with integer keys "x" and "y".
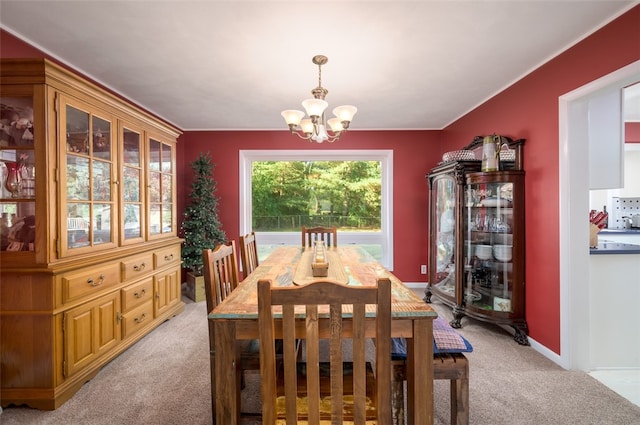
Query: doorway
{"x": 574, "y": 205}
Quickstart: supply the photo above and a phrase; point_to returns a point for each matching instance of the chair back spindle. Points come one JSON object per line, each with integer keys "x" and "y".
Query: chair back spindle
{"x": 248, "y": 253}
{"x": 329, "y": 235}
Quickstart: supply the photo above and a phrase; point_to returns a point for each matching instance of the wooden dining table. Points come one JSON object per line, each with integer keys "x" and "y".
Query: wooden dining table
{"x": 236, "y": 319}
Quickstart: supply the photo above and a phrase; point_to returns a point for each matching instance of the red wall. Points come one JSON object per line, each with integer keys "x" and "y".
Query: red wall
{"x": 632, "y": 132}
{"x": 529, "y": 109}
{"x": 414, "y": 153}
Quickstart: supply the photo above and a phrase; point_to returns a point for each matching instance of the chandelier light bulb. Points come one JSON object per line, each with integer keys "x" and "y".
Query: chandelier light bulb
{"x": 345, "y": 112}
{"x": 314, "y": 107}
{"x": 292, "y": 117}
{"x": 307, "y": 126}
{"x": 335, "y": 124}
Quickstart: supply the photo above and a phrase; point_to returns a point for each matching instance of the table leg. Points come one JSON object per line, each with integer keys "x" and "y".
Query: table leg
{"x": 227, "y": 375}
{"x": 420, "y": 373}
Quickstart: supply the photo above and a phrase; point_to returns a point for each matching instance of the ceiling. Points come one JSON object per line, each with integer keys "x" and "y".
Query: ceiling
{"x": 234, "y": 65}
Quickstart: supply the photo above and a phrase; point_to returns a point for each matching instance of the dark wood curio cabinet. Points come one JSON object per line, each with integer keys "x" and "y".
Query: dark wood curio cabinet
{"x": 476, "y": 240}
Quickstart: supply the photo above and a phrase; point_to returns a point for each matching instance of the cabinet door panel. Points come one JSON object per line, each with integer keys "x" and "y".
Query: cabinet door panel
{"x": 167, "y": 289}
{"x": 89, "y": 331}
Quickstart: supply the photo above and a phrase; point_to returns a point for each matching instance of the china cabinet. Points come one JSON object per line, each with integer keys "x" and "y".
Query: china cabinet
{"x": 89, "y": 253}
{"x": 476, "y": 240}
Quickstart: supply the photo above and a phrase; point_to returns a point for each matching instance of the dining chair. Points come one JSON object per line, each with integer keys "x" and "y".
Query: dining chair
{"x": 336, "y": 392}
{"x": 221, "y": 278}
{"x": 327, "y": 234}
{"x": 248, "y": 253}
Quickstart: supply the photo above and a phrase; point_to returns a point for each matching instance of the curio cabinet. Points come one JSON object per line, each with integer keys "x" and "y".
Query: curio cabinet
{"x": 476, "y": 237}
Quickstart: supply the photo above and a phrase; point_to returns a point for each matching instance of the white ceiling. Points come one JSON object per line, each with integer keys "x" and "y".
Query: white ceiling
{"x": 234, "y": 65}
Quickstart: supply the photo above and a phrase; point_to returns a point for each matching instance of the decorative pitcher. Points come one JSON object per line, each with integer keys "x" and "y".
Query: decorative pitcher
{"x": 490, "y": 153}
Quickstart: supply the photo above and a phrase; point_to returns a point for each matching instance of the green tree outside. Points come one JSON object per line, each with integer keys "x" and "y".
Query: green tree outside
{"x": 289, "y": 194}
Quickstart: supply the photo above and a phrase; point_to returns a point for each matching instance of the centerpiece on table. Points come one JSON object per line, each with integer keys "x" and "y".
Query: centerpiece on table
{"x": 320, "y": 263}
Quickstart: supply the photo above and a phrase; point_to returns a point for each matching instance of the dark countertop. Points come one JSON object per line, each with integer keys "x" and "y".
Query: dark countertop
{"x": 632, "y": 231}
{"x": 615, "y": 248}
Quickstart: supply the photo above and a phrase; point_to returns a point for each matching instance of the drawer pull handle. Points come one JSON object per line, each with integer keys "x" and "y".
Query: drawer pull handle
{"x": 168, "y": 257}
{"x": 140, "y": 294}
{"x": 100, "y": 281}
{"x": 140, "y": 267}
{"x": 141, "y": 318}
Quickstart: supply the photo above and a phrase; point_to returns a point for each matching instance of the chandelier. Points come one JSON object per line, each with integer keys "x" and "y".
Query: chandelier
{"x": 315, "y": 128}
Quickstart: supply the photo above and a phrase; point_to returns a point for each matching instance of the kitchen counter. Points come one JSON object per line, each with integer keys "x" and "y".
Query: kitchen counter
{"x": 618, "y": 241}
{"x": 606, "y": 247}
{"x": 632, "y": 231}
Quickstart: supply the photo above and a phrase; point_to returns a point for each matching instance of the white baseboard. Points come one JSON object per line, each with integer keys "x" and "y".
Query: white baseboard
{"x": 415, "y": 285}
{"x": 546, "y": 352}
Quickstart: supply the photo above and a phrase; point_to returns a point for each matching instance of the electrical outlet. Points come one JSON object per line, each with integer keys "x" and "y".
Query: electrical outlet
{"x": 423, "y": 269}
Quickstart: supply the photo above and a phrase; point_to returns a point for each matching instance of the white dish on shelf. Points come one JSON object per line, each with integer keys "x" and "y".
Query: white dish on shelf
{"x": 495, "y": 202}
{"x": 503, "y": 252}
{"x": 483, "y": 252}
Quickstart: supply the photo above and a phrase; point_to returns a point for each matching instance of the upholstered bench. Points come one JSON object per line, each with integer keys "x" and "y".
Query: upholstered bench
{"x": 449, "y": 362}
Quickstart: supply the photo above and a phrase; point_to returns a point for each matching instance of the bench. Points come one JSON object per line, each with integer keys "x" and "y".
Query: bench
{"x": 449, "y": 362}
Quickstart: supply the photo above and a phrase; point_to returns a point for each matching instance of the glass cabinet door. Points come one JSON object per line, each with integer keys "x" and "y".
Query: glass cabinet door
{"x": 444, "y": 225}
{"x": 162, "y": 220}
{"x": 489, "y": 245}
{"x": 133, "y": 212}
{"x": 17, "y": 174}
{"x": 87, "y": 177}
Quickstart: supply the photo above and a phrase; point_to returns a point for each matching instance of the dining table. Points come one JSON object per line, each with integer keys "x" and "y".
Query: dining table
{"x": 236, "y": 319}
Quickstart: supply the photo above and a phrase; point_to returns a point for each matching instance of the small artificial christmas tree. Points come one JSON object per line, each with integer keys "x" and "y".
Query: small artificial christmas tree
{"x": 201, "y": 227}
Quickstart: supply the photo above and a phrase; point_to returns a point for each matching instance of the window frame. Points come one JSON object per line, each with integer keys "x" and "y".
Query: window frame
{"x": 384, "y": 238}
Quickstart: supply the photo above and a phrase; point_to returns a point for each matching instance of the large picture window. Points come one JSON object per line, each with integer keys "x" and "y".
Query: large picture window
{"x": 280, "y": 191}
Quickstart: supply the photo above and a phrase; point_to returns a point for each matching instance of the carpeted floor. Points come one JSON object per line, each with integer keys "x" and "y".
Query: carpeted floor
{"x": 164, "y": 380}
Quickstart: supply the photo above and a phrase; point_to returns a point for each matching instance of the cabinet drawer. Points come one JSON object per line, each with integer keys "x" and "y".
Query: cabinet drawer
{"x": 137, "y": 319}
{"x": 77, "y": 285}
{"x": 136, "y": 267}
{"x": 134, "y": 295}
{"x": 166, "y": 256}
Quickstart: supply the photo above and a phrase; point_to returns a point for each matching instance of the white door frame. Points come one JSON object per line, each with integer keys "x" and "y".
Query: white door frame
{"x": 573, "y": 210}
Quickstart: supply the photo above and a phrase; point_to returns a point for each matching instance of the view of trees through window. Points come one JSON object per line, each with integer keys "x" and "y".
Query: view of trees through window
{"x": 289, "y": 194}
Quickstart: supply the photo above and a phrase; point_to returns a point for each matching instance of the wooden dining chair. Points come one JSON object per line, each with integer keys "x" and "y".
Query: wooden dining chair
{"x": 221, "y": 278}
{"x": 248, "y": 253}
{"x": 316, "y": 392}
{"x": 327, "y": 234}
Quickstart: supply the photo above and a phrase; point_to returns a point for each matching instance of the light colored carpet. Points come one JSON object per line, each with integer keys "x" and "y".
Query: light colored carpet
{"x": 164, "y": 379}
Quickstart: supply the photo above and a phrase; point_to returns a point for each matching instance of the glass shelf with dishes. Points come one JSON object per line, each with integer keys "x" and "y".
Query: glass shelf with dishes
{"x": 493, "y": 238}
{"x": 17, "y": 174}
{"x": 489, "y": 246}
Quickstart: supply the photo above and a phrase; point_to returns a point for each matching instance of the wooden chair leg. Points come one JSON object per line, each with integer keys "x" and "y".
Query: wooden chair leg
{"x": 397, "y": 391}
{"x": 461, "y": 401}
{"x": 453, "y": 367}
{"x": 213, "y": 385}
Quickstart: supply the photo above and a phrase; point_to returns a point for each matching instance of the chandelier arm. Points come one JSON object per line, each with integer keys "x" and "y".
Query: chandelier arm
{"x": 298, "y": 133}
{"x": 333, "y": 136}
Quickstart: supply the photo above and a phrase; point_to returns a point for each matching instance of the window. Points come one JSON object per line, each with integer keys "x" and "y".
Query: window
{"x": 379, "y": 243}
